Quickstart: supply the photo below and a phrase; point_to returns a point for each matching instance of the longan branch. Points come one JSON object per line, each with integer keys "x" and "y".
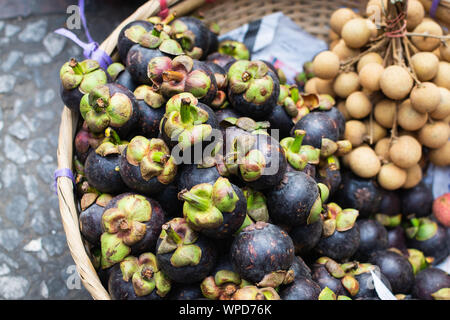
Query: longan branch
{"x": 427, "y": 35}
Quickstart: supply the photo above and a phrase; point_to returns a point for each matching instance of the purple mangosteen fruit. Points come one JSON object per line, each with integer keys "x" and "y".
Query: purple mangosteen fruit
{"x": 90, "y": 219}
{"x": 151, "y": 111}
{"x": 432, "y": 284}
{"x": 119, "y": 74}
{"x": 373, "y": 237}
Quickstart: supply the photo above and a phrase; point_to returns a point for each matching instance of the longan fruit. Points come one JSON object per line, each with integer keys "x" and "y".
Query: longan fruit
{"x": 364, "y": 162}
{"x": 333, "y": 44}
{"x": 355, "y": 132}
{"x": 333, "y": 35}
{"x": 341, "y": 107}
{"x": 343, "y": 51}
{"x": 426, "y": 43}
{"x": 413, "y": 176}
{"x": 384, "y": 112}
{"x": 310, "y": 85}
{"x": 442, "y": 78}
{"x": 370, "y": 75}
{"x": 374, "y": 9}
{"x": 326, "y": 65}
{"x": 339, "y": 18}
{"x": 391, "y": 177}
{"x": 371, "y": 57}
{"x": 444, "y": 51}
{"x": 345, "y": 84}
{"x": 408, "y": 117}
{"x": 325, "y": 87}
{"x": 372, "y": 28}
{"x": 356, "y": 33}
{"x": 443, "y": 108}
{"x": 414, "y": 14}
{"x": 378, "y": 132}
{"x": 425, "y": 97}
{"x": 434, "y": 135}
{"x": 382, "y": 149}
{"x": 358, "y": 105}
{"x": 405, "y": 152}
{"x": 396, "y": 83}
{"x": 440, "y": 156}
{"x": 425, "y": 64}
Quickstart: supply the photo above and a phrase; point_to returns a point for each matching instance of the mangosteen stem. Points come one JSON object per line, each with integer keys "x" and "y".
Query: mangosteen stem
{"x": 246, "y": 76}
{"x": 147, "y": 273}
{"x": 75, "y": 66}
{"x": 111, "y": 133}
{"x": 157, "y": 30}
{"x": 185, "y": 111}
{"x": 229, "y": 49}
{"x": 169, "y": 18}
{"x": 99, "y": 105}
{"x": 172, "y": 234}
{"x": 297, "y": 143}
{"x": 171, "y": 75}
{"x": 295, "y": 95}
{"x": 159, "y": 157}
{"x": 200, "y": 203}
{"x": 123, "y": 225}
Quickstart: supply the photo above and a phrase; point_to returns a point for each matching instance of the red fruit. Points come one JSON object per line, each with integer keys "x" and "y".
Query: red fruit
{"x": 441, "y": 209}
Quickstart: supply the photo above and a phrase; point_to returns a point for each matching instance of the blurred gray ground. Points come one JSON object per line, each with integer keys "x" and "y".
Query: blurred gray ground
{"x": 35, "y": 262}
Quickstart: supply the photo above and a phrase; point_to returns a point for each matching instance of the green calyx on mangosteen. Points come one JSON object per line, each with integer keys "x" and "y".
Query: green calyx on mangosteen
{"x": 222, "y": 285}
{"x": 299, "y": 155}
{"x": 255, "y": 293}
{"x": 234, "y": 49}
{"x": 256, "y": 205}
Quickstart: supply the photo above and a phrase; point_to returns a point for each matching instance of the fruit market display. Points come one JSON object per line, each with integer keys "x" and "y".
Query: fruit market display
{"x": 301, "y": 192}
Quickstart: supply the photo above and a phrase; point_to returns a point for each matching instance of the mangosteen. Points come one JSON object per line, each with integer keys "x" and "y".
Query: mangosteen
{"x": 432, "y": 284}
{"x": 254, "y": 293}
{"x": 185, "y": 292}
{"x": 131, "y": 224}
{"x": 119, "y": 74}
{"x": 146, "y": 165}
{"x": 220, "y": 101}
{"x": 417, "y": 202}
{"x": 280, "y": 74}
{"x": 327, "y": 273}
{"x": 90, "y": 219}
{"x": 263, "y": 254}
{"x": 78, "y": 79}
{"x": 257, "y": 208}
{"x": 130, "y": 35}
{"x": 189, "y": 125}
{"x": 389, "y": 212}
{"x": 193, "y": 35}
{"x": 253, "y": 88}
{"x": 183, "y": 74}
{"x": 184, "y": 255}
{"x": 296, "y": 200}
{"x": 235, "y": 49}
{"x": 300, "y": 268}
{"x": 110, "y": 105}
{"x": 397, "y": 239}
{"x": 85, "y": 141}
{"x": 222, "y": 114}
{"x": 222, "y": 60}
{"x": 373, "y": 237}
{"x": 101, "y": 168}
{"x": 281, "y": 118}
{"x": 168, "y": 199}
{"x": 301, "y": 289}
{"x": 216, "y": 209}
{"x": 340, "y": 236}
{"x": 299, "y": 156}
{"x": 417, "y": 259}
{"x": 151, "y": 111}
{"x": 256, "y": 158}
{"x": 362, "y": 273}
{"x": 306, "y": 237}
{"x": 337, "y": 116}
{"x": 138, "y": 279}
{"x": 429, "y": 237}
{"x": 233, "y": 127}
{"x": 361, "y": 194}
{"x": 396, "y": 268}
{"x": 329, "y": 173}
{"x": 191, "y": 175}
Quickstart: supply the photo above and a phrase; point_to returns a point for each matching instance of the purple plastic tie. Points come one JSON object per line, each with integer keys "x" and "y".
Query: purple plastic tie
{"x": 64, "y": 172}
{"x": 91, "y": 49}
{"x": 434, "y": 7}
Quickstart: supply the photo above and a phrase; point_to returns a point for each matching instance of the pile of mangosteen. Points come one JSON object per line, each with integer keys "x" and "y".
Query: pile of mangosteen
{"x": 201, "y": 174}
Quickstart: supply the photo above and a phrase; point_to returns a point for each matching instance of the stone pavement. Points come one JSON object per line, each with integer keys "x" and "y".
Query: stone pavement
{"x": 35, "y": 262}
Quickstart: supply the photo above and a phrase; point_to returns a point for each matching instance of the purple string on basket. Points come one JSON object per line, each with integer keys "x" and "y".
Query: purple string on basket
{"x": 434, "y": 7}
{"x": 64, "y": 172}
{"x": 91, "y": 49}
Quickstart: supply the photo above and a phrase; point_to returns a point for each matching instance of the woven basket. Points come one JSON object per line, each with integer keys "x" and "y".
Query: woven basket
{"x": 312, "y": 16}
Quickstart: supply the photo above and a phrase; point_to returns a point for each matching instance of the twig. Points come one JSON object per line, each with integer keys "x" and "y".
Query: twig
{"x": 427, "y": 35}
{"x": 408, "y": 59}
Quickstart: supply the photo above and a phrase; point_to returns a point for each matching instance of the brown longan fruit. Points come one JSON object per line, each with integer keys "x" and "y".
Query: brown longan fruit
{"x": 355, "y": 132}
{"x": 384, "y": 112}
{"x": 396, "y": 83}
{"x": 372, "y": 28}
{"x": 333, "y": 36}
{"x": 382, "y": 149}
{"x": 371, "y": 57}
{"x": 333, "y": 44}
{"x": 425, "y": 65}
{"x": 426, "y": 43}
{"x": 358, "y": 105}
{"x": 345, "y": 84}
{"x": 325, "y": 87}
{"x": 408, "y": 117}
{"x": 356, "y": 33}
{"x": 405, "y": 151}
{"x": 415, "y": 14}
{"x": 413, "y": 176}
{"x": 364, "y": 162}
{"x": 425, "y": 97}
{"x": 434, "y": 135}
{"x": 343, "y": 51}
{"x": 444, "y": 51}
{"x": 326, "y": 65}
{"x": 377, "y": 131}
{"x": 339, "y": 18}
{"x": 341, "y": 107}
{"x": 370, "y": 75}
{"x": 391, "y": 177}
{"x": 443, "y": 108}
{"x": 441, "y": 156}
{"x": 442, "y": 78}
{"x": 310, "y": 85}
